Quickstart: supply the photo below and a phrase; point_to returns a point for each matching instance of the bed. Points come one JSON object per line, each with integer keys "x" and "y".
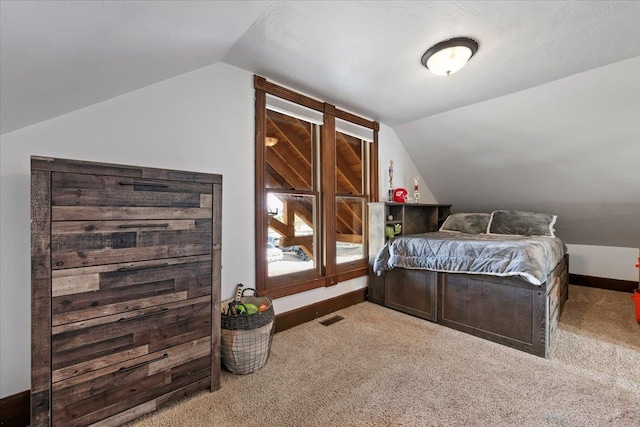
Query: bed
{"x": 501, "y": 276}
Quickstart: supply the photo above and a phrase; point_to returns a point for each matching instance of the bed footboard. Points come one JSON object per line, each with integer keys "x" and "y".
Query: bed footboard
{"x": 505, "y": 310}
{"x": 506, "y": 313}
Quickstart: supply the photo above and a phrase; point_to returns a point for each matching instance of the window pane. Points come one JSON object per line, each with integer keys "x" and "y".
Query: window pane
{"x": 289, "y": 153}
{"x": 349, "y": 229}
{"x": 292, "y": 233}
{"x": 348, "y": 164}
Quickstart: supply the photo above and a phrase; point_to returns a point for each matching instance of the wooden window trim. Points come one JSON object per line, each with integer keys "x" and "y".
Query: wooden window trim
{"x": 331, "y": 273}
{"x": 262, "y": 84}
{"x": 261, "y": 201}
{"x": 328, "y": 178}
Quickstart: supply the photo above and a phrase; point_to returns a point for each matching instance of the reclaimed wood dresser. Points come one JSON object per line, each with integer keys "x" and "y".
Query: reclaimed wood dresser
{"x": 125, "y": 266}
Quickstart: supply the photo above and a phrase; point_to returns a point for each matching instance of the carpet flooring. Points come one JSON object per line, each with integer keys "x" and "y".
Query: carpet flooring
{"x": 378, "y": 367}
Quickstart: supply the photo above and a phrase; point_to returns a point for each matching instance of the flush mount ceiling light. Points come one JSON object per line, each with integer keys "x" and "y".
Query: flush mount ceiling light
{"x": 449, "y": 56}
{"x": 270, "y": 141}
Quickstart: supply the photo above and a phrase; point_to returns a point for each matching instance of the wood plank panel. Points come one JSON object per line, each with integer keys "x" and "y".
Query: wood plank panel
{"x": 480, "y": 301}
{"x": 84, "y": 350}
{"x": 136, "y": 234}
{"x": 78, "y": 166}
{"x": 109, "y": 296}
{"x": 86, "y": 249}
{"x": 136, "y": 411}
{"x": 101, "y": 405}
{"x": 490, "y": 307}
{"x": 504, "y": 296}
{"x": 78, "y": 315}
{"x": 523, "y": 315}
{"x": 85, "y": 323}
{"x": 199, "y": 348}
{"x": 455, "y": 299}
{"x": 120, "y": 183}
{"x": 179, "y": 332}
{"x": 124, "y": 289}
{"x": 187, "y": 369}
{"x": 68, "y": 395}
{"x": 412, "y": 292}
{"x": 509, "y": 313}
{"x": 541, "y": 343}
{"x": 206, "y": 200}
{"x": 191, "y": 277}
{"x": 94, "y": 362}
{"x": 182, "y": 354}
{"x": 105, "y": 352}
{"x": 216, "y": 285}
{"x": 141, "y": 327}
{"x": 40, "y": 297}
{"x": 68, "y": 285}
{"x": 91, "y": 227}
{"x": 84, "y": 167}
{"x": 82, "y": 197}
{"x": 97, "y": 213}
{"x": 127, "y": 265}
{"x": 127, "y": 415}
{"x": 183, "y": 392}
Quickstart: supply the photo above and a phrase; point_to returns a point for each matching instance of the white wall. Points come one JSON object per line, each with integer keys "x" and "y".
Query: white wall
{"x": 201, "y": 121}
{"x": 391, "y": 148}
{"x": 604, "y": 261}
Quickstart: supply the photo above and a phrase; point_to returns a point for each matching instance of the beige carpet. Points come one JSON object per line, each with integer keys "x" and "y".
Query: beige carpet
{"x": 378, "y": 367}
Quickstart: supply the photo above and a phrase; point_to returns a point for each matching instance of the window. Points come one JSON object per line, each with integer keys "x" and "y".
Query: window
{"x": 316, "y": 169}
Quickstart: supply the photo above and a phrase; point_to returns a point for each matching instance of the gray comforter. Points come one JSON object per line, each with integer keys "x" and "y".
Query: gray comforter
{"x": 530, "y": 257}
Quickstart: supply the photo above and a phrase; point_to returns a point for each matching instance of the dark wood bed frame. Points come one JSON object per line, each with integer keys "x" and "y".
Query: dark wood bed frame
{"x": 504, "y": 310}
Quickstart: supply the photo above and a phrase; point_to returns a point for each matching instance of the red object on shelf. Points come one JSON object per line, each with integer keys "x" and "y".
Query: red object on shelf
{"x": 400, "y": 195}
{"x": 636, "y": 299}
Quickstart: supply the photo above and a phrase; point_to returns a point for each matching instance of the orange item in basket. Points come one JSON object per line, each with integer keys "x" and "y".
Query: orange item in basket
{"x": 636, "y": 299}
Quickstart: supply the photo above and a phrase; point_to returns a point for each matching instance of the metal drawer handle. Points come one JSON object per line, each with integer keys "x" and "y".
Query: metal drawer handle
{"x": 129, "y": 319}
{"x": 163, "y": 225}
{"x": 145, "y": 184}
{"x": 142, "y": 267}
{"x": 129, "y": 368}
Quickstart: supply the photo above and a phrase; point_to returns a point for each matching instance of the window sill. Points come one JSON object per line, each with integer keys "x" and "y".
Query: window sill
{"x": 306, "y": 285}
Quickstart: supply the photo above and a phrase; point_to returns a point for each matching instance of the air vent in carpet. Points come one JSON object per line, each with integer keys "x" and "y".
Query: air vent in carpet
{"x": 331, "y": 320}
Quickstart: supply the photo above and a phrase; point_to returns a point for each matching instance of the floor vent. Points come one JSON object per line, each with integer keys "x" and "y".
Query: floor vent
{"x": 331, "y": 320}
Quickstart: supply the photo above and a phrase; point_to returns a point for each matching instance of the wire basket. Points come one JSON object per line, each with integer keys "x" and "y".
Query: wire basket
{"x": 246, "y": 338}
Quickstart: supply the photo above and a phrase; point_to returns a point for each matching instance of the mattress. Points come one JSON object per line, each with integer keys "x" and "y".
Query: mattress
{"x": 530, "y": 257}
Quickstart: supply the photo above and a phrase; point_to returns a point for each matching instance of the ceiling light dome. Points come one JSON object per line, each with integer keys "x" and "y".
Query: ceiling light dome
{"x": 449, "y": 56}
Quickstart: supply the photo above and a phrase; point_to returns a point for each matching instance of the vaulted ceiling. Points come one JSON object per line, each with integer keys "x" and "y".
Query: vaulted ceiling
{"x": 545, "y": 117}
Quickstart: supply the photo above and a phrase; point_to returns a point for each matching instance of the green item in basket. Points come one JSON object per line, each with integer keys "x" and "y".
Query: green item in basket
{"x": 251, "y": 308}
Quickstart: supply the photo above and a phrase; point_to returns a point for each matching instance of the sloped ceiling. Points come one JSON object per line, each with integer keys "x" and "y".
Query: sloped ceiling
{"x": 570, "y": 147}
{"x": 365, "y": 56}
{"x": 59, "y": 56}
{"x": 544, "y": 117}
